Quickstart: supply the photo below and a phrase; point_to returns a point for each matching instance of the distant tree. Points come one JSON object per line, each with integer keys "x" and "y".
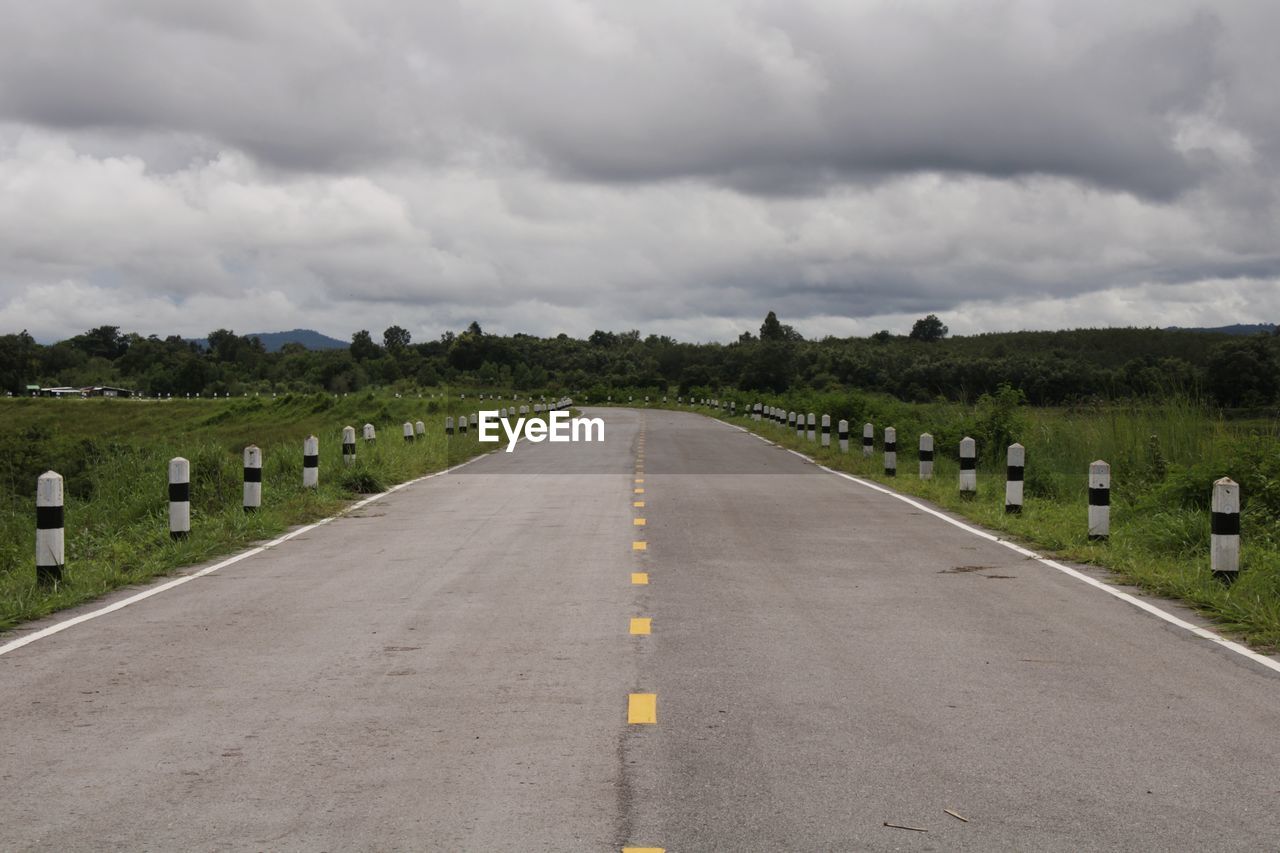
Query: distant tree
{"x": 362, "y": 346}
{"x": 883, "y": 336}
{"x": 602, "y": 339}
{"x": 929, "y": 329}
{"x": 395, "y": 339}
{"x": 18, "y": 361}
{"x": 771, "y": 329}
{"x": 102, "y": 342}
{"x": 1244, "y": 372}
{"x": 222, "y": 344}
{"x": 474, "y": 329}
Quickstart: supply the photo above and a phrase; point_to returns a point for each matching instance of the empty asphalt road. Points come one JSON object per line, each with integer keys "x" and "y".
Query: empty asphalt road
{"x": 682, "y": 638}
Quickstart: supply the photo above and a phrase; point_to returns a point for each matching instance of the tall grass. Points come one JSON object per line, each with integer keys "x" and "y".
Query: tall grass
{"x": 114, "y": 457}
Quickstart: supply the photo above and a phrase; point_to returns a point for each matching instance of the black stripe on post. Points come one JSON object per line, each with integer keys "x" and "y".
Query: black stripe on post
{"x": 179, "y": 492}
{"x": 253, "y": 475}
{"x": 891, "y": 447}
{"x": 1226, "y": 524}
{"x": 866, "y": 441}
{"x": 349, "y": 450}
{"x": 1015, "y": 473}
{"x": 1100, "y": 497}
{"x": 310, "y": 461}
{"x": 926, "y": 455}
{"x": 48, "y": 518}
{"x": 968, "y": 463}
{"x": 48, "y": 575}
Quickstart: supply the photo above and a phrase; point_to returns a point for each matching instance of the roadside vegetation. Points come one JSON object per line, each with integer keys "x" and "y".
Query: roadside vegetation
{"x": 114, "y": 454}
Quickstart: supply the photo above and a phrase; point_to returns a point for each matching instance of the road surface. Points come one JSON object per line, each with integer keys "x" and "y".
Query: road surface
{"x": 453, "y": 667}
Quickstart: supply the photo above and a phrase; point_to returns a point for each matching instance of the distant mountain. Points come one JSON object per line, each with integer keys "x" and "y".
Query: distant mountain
{"x": 1237, "y": 329}
{"x": 309, "y": 338}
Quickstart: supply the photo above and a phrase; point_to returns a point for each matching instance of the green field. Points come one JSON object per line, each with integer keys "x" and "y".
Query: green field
{"x": 1164, "y": 458}
{"x": 114, "y": 457}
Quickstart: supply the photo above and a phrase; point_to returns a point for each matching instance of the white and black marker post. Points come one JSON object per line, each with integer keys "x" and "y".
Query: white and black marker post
{"x": 408, "y": 431}
{"x": 1099, "y": 500}
{"x": 462, "y": 425}
{"x": 348, "y": 444}
{"x": 1015, "y": 473}
{"x": 968, "y": 467}
{"x": 252, "y": 478}
{"x": 1224, "y": 539}
{"x": 179, "y": 498}
{"x": 311, "y": 462}
{"x": 370, "y": 433}
{"x": 868, "y": 439}
{"x": 926, "y": 456}
{"x": 826, "y": 430}
{"x": 448, "y": 426}
{"x": 799, "y": 424}
{"x": 791, "y": 419}
{"x": 50, "y": 535}
{"x": 813, "y": 423}
{"x": 842, "y": 433}
{"x": 890, "y": 452}
{"x": 420, "y": 428}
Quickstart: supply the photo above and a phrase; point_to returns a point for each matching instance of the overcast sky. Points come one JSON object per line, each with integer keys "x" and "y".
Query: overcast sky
{"x": 676, "y": 167}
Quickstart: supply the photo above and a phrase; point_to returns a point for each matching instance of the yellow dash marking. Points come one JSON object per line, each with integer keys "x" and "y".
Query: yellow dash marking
{"x": 641, "y": 626}
{"x": 644, "y": 850}
{"x": 638, "y": 491}
{"x": 640, "y": 578}
{"x": 639, "y": 546}
{"x": 638, "y": 504}
{"x": 638, "y": 522}
{"x": 639, "y": 480}
{"x": 642, "y": 708}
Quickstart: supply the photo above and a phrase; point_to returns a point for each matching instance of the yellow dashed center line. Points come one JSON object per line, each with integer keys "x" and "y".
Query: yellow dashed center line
{"x": 642, "y": 709}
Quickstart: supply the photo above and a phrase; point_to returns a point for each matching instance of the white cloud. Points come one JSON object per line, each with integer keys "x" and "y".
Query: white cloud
{"x": 565, "y": 166}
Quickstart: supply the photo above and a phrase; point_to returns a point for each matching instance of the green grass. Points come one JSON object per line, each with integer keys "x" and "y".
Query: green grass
{"x": 114, "y": 457}
{"x": 1161, "y": 487}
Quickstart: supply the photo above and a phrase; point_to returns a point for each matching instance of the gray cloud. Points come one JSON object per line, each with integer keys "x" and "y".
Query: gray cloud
{"x": 564, "y": 165}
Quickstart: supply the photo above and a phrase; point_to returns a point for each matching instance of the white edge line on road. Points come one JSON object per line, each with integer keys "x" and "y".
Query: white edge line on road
{"x": 1146, "y": 606}
{"x": 13, "y": 645}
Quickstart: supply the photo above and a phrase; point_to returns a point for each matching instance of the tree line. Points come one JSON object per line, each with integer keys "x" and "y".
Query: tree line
{"x": 1049, "y": 368}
